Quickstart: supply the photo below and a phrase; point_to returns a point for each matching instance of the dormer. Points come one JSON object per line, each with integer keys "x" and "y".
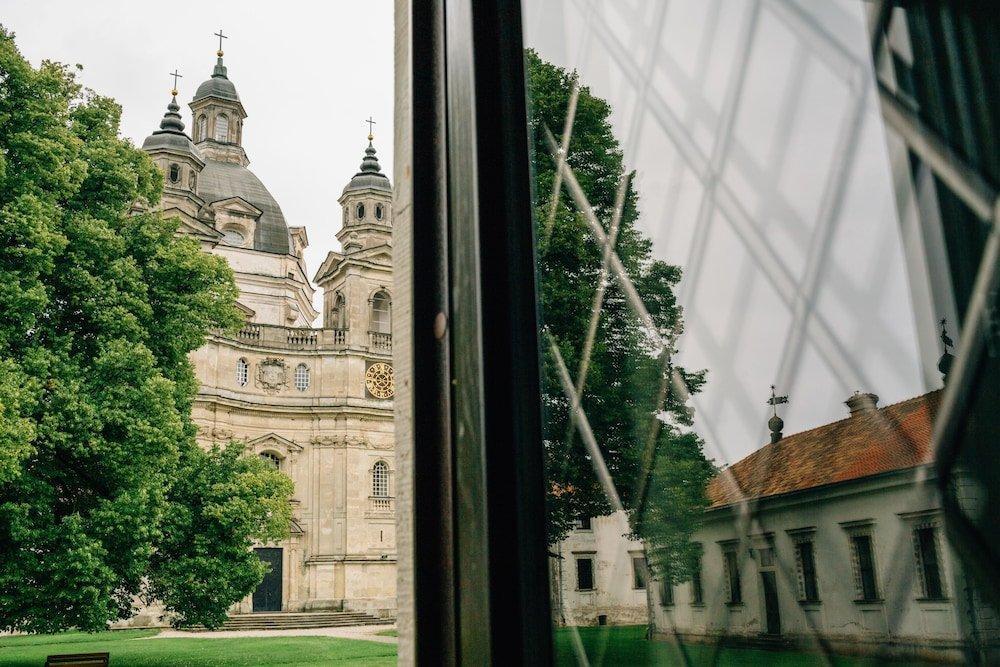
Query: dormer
{"x": 236, "y": 219}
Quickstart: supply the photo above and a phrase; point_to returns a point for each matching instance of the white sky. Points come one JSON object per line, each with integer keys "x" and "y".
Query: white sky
{"x": 782, "y": 217}
{"x": 308, "y": 74}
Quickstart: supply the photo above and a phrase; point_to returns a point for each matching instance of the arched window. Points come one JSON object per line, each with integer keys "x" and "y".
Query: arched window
{"x": 202, "y": 128}
{"x": 222, "y": 127}
{"x": 379, "y": 212}
{"x": 338, "y": 316}
{"x": 360, "y": 210}
{"x": 175, "y": 173}
{"x": 271, "y": 459}
{"x": 242, "y": 372}
{"x": 381, "y": 313}
{"x": 301, "y": 377}
{"x": 380, "y": 479}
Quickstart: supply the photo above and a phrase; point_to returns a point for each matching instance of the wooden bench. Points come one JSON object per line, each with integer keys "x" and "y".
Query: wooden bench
{"x": 77, "y": 660}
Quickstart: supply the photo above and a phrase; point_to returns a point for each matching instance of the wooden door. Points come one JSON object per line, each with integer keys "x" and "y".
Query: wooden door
{"x": 267, "y": 597}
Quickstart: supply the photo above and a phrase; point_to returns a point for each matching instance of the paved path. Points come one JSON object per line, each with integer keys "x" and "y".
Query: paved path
{"x": 366, "y": 632}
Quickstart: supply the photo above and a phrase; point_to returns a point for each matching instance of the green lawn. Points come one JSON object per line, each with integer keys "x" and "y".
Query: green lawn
{"x": 628, "y": 646}
{"x": 127, "y": 649}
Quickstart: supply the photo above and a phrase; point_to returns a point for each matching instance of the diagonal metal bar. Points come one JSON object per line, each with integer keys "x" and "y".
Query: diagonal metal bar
{"x": 602, "y": 285}
{"x": 561, "y": 159}
{"x": 579, "y": 417}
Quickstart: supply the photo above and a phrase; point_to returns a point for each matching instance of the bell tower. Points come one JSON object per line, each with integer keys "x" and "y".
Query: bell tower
{"x": 357, "y": 282}
{"x": 181, "y": 163}
{"x": 218, "y": 116}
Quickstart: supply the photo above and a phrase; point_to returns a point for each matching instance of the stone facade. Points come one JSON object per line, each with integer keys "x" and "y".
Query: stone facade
{"x": 315, "y": 402}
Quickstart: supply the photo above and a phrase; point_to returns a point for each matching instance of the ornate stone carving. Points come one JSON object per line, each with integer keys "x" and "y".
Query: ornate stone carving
{"x": 272, "y": 375}
{"x": 380, "y": 381}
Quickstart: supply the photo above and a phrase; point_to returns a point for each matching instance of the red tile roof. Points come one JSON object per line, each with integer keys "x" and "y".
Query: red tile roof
{"x": 867, "y": 443}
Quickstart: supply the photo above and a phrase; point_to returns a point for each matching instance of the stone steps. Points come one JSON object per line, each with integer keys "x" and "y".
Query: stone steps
{"x": 301, "y": 620}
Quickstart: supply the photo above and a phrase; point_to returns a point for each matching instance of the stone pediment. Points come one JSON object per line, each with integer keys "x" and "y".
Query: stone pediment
{"x": 237, "y": 205}
{"x": 247, "y": 312}
{"x": 274, "y": 441}
{"x": 335, "y": 261}
{"x": 192, "y": 226}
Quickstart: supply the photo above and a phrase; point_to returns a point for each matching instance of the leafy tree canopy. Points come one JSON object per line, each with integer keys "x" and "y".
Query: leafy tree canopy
{"x": 640, "y": 420}
{"x": 104, "y": 495}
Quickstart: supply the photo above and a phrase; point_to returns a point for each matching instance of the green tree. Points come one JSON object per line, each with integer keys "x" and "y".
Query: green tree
{"x": 100, "y": 474}
{"x": 639, "y": 417}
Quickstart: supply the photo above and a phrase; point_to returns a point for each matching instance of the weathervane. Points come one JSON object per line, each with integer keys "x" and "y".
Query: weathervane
{"x": 775, "y": 401}
{"x": 176, "y": 75}
{"x": 947, "y": 358}
{"x": 775, "y": 424}
{"x": 221, "y": 37}
{"x": 371, "y": 133}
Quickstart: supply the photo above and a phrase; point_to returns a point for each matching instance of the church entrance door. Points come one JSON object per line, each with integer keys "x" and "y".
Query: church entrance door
{"x": 267, "y": 597}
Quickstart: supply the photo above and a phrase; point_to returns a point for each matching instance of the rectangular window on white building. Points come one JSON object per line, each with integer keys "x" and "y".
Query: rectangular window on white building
{"x": 863, "y": 562}
{"x": 928, "y": 562}
{"x": 731, "y": 566}
{"x": 638, "y": 572}
{"x": 697, "y": 592}
{"x": 805, "y": 566}
{"x": 584, "y": 574}
{"x": 666, "y": 593}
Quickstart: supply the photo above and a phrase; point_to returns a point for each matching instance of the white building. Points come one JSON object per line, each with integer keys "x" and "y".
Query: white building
{"x": 598, "y": 575}
{"x": 315, "y": 402}
{"x": 833, "y": 535}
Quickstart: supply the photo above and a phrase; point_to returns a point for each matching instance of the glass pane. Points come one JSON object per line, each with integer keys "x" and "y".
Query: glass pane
{"x": 751, "y": 281}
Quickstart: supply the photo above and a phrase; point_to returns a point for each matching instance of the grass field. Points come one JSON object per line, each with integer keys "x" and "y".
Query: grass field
{"x": 603, "y": 646}
{"x": 129, "y": 649}
{"x": 628, "y": 646}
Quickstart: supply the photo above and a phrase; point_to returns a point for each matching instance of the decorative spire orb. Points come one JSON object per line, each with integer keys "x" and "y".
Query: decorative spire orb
{"x": 219, "y": 53}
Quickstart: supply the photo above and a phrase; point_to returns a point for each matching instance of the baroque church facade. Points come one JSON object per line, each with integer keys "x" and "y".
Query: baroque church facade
{"x": 315, "y": 402}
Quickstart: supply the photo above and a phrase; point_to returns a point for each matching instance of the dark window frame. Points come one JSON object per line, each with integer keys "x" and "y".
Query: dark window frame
{"x": 480, "y": 582}
{"x": 810, "y": 579}
{"x": 593, "y": 580}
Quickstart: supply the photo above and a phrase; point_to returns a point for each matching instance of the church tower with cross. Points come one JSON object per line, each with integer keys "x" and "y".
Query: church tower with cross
{"x": 309, "y": 392}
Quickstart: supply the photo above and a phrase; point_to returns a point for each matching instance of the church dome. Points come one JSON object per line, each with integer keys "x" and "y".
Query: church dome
{"x": 371, "y": 175}
{"x": 224, "y": 180}
{"x": 171, "y": 136}
{"x": 217, "y": 86}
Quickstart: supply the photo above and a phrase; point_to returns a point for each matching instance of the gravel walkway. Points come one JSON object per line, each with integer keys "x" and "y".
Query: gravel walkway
{"x": 366, "y": 632}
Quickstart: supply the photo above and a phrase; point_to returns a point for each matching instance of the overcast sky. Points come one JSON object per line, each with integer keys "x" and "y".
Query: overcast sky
{"x": 308, "y": 74}
{"x": 761, "y": 171}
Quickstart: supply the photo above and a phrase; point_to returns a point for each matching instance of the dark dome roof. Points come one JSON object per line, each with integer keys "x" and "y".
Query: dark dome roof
{"x": 217, "y": 86}
{"x": 223, "y": 180}
{"x": 371, "y": 175}
{"x": 171, "y": 135}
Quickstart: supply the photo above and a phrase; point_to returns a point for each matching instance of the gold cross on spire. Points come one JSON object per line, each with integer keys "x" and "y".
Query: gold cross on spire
{"x": 371, "y": 134}
{"x": 176, "y": 75}
{"x": 221, "y": 37}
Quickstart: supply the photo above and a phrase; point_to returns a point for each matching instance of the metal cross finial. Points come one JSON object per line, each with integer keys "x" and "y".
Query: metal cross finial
{"x": 775, "y": 401}
{"x": 176, "y": 75}
{"x": 371, "y": 134}
{"x": 221, "y": 37}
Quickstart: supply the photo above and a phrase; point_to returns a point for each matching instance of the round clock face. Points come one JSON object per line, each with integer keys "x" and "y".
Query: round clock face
{"x": 379, "y": 380}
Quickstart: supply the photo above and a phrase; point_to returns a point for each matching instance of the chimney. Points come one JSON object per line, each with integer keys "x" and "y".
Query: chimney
{"x": 861, "y": 403}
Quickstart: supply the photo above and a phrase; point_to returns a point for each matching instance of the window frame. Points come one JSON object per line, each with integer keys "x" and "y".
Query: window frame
{"x": 589, "y": 558}
{"x": 242, "y": 372}
{"x": 306, "y": 373}
{"x": 731, "y": 575}
{"x": 224, "y": 118}
{"x": 380, "y": 479}
{"x": 477, "y": 367}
